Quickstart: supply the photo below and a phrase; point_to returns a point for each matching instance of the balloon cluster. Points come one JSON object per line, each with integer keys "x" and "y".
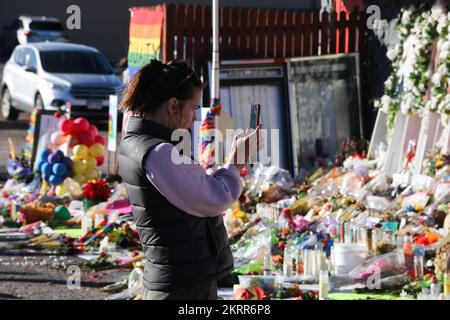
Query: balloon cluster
{"x": 55, "y": 168}
{"x": 88, "y": 147}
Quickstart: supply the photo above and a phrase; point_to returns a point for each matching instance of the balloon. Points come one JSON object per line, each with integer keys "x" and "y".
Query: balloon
{"x": 97, "y": 150}
{"x": 57, "y": 139}
{"x": 79, "y": 178}
{"x": 100, "y": 161}
{"x": 91, "y": 162}
{"x": 80, "y": 151}
{"x": 61, "y": 212}
{"x": 59, "y": 169}
{"x": 39, "y": 166}
{"x": 86, "y": 138}
{"x": 45, "y": 154}
{"x": 79, "y": 167}
{"x": 93, "y": 129}
{"x": 46, "y": 169}
{"x": 72, "y": 140}
{"x": 67, "y": 161}
{"x": 55, "y": 180}
{"x": 80, "y": 125}
{"x": 66, "y": 126}
{"x": 100, "y": 139}
{"x": 60, "y": 191}
{"x": 55, "y": 157}
{"x": 92, "y": 174}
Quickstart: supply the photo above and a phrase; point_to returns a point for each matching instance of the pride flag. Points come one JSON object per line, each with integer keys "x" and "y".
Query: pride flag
{"x": 146, "y": 26}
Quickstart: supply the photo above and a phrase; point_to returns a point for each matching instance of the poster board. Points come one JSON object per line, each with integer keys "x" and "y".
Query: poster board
{"x": 46, "y": 124}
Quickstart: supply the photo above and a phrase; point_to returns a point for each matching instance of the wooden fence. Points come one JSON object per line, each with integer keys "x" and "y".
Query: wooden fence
{"x": 250, "y": 33}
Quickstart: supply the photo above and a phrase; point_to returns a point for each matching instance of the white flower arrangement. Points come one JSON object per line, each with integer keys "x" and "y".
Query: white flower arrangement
{"x": 419, "y": 28}
{"x": 440, "y": 93}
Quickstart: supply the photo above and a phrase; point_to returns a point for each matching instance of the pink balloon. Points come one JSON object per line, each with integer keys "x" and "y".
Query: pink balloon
{"x": 65, "y": 126}
{"x": 100, "y": 139}
{"x": 81, "y": 125}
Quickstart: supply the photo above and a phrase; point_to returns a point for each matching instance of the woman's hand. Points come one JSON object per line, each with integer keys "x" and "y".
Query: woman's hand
{"x": 245, "y": 146}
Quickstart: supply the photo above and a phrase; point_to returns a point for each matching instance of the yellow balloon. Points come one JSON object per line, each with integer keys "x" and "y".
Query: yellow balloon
{"x": 80, "y": 151}
{"x": 79, "y": 167}
{"x": 97, "y": 150}
{"x": 79, "y": 178}
{"x": 60, "y": 191}
{"x": 92, "y": 174}
{"x": 91, "y": 162}
{"x": 75, "y": 158}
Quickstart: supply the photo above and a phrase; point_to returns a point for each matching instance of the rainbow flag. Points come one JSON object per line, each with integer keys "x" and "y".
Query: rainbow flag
{"x": 146, "y": 26}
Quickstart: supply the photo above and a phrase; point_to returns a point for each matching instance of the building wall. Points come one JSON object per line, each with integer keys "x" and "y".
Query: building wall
{"x": 105, "y": 23}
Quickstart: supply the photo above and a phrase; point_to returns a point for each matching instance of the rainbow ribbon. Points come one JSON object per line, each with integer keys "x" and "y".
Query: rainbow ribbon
{"x": 206, "y": 149}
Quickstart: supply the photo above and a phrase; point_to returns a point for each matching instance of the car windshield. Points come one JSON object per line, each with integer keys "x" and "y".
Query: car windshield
{"x": 75, "y": 62}
{"x": 46, "y": 26}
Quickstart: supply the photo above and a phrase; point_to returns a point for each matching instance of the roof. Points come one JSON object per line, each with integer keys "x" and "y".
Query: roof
{"x": 59, "y": 46}
{"x": 39, "y": 18}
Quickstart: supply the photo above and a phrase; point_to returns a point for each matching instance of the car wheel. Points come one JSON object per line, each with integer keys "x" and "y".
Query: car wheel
{"x": 8, "y": 111}
{"x": 38, "y": 102}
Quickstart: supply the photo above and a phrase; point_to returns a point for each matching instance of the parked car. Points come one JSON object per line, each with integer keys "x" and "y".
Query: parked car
{"x": 27, "y": 29}
{"x": 52, "y": 75}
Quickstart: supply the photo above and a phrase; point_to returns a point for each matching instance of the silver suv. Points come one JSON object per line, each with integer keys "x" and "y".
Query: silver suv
{"x": 27, "y": 29}
{"x": 54, "y": 76}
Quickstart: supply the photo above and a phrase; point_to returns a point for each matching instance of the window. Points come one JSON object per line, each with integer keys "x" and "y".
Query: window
{"x": 75, "y": 62}
{"x": 30, "y": 58}
{"x": 19, "y": 57}
{"x": 46, "y": 26}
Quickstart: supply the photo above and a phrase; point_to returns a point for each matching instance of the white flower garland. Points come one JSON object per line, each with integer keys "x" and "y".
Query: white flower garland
{"x": 440, "y": 96}
{"x": 419, "y": 29}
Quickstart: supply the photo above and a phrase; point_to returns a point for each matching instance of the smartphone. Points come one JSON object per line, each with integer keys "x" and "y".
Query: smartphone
{"x": 255, "y": 115}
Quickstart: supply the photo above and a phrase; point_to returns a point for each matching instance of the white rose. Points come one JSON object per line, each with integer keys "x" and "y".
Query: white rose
{"x": 388, "y": 83}
{"x": 444, "y": 54}
{"x": 442, "y": 106}
{"x": 442, "y": 69}
{"x": 445, "y": 46}
{"x": 391, "y": 54}
{"x": 386, "y": 100}
{"x": 421, "y": 87}
{"x": 404, "y": 108}
{"x": 436, "y": 79}
{"x": 406, "y": 18}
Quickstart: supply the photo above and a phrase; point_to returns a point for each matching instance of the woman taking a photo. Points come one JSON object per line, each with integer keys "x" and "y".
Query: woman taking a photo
{"x": 177, "y": 207}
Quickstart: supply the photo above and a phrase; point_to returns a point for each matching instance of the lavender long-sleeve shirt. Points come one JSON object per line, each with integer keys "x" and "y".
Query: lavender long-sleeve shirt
{"x": 188, "y": 187}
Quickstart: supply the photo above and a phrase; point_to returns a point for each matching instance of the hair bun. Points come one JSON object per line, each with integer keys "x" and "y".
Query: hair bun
{"x": 156, "y": 66}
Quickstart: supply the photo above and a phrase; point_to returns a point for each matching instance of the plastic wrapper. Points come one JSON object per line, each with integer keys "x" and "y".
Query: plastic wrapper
{"x": 378, "y": 203}
{"x": 266, "y": 177}
{"x": 385, "y": 272}
{"x": 253, "y": 245}
{"x": 386, "y": 265}
{"x": 351, "y": 184}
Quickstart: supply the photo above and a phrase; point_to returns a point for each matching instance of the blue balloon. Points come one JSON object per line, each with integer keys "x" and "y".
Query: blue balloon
{"x": 46, "y": 169}
{"x": 59, "y": 169}
{"x": 55, "y": 180}
{"x": 68, "y": 162}
{"x": 39, "y": 166}
{"x": 44, "y": 155}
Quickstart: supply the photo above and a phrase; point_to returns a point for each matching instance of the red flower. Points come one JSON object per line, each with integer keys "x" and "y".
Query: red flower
{"x": 97, "y": 191}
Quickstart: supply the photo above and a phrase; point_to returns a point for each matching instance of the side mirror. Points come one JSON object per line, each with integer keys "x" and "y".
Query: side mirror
{"x": 30, "y": 69}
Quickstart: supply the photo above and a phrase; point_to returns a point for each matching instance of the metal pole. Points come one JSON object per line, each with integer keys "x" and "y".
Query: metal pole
{"x": 215, "y": 90}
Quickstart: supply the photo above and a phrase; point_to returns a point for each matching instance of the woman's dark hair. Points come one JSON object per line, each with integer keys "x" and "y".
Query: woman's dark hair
{"x": 156, "y": 83}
